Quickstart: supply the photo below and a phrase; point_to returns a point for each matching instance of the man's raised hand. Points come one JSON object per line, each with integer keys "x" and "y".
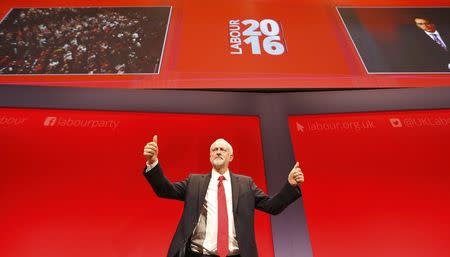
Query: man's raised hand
{"x": 151, "y": 150}
{"x": 296, "y": 176}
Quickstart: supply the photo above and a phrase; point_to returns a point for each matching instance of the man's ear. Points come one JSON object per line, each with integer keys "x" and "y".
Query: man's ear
{"x": 231, "y": 157}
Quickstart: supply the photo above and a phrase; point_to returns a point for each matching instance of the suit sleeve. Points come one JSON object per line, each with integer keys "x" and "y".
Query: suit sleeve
{"x": 277, "y": 203}
{"x": 163, "y": 187}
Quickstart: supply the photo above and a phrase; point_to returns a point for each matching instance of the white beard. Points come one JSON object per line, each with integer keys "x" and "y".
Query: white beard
{"x": 218, "y": 162}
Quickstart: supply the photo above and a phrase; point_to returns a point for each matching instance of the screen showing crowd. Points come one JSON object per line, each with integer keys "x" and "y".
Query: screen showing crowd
{"x": 98, "y": 40}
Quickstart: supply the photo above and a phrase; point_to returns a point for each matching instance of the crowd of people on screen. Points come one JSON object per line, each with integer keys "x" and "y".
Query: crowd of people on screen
{"x": 79, "y": 41}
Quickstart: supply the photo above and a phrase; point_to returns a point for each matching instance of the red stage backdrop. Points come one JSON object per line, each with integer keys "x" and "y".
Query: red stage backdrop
{"x": 377, "y": 183}
{"x": 219, "y": 44}
{"x": 71, "y": 182}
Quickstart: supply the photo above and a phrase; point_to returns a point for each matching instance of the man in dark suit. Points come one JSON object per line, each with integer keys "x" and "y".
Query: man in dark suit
{"x": 425, "y": 47}
{"x": 218, "y": 214}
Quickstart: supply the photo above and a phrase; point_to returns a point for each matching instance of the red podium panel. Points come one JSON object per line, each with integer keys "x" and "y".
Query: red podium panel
{"x": 376, "y": 183}
{"x": 72, "y": 183}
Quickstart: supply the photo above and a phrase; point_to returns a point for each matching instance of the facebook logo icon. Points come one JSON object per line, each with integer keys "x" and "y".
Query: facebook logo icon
{"x": 50, "y": 121}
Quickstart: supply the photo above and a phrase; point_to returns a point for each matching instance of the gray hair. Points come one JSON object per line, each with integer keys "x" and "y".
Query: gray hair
{"x": 228, "y": 145}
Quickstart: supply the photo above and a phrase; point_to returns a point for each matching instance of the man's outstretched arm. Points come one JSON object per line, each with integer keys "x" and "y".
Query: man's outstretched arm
{"x": 288, "y": 194}
{"x": 155, "y": 176}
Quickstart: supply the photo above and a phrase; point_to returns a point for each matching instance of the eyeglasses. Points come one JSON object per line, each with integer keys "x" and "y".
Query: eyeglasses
{"x": 424, "y": 23}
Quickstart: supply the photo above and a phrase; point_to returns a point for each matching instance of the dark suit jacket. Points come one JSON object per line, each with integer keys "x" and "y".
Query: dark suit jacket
{"x": 420, "y": 53}
{"x": 246, "y": 197}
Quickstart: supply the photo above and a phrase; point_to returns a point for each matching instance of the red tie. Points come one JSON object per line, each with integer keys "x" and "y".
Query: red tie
{"x": 222, "y": 227}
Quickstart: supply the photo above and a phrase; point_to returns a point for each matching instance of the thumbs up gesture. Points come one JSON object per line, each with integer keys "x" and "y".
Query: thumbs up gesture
{"x": 296, "y": 176}
{"x": 151, "y": 150}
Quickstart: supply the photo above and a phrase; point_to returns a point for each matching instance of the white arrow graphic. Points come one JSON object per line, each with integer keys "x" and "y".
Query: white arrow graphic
{"x": 299, "y": 127}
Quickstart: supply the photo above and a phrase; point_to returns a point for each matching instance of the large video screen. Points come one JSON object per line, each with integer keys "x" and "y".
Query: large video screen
{"x": 89, "y": 40}
{"x": 72, "y": 184}
{"x": 213, "y": 44}
{"x": 377, "y": 184}
{"x": 400, "y": 40}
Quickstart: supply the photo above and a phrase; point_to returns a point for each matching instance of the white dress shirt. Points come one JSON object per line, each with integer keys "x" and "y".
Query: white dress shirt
{"x": 210, "y": 242}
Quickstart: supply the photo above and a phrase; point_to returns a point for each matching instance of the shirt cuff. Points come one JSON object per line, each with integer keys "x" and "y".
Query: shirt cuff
{"x": 150, "y": 166}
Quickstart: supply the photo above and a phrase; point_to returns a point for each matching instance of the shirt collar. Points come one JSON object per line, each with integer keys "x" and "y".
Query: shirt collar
{"x": 215, "y": 175}
{"x": 432, "y": 33}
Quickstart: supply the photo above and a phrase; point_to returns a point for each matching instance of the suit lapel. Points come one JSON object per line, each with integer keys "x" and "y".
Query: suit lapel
{"x": 234, "y": 190}
{"x": 445, "y": 37}
{"x": 202, "y": 187}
